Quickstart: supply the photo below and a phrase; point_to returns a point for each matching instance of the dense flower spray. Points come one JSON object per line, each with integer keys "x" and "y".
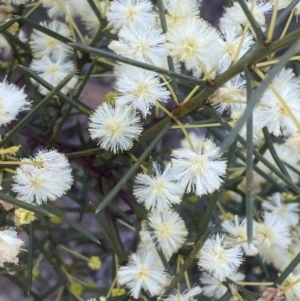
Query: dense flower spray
{"x": 166, "y": 162}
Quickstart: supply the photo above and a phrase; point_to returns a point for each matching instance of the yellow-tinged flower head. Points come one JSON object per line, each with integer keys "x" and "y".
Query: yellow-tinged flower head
{"x": 118, "y": 292}
{"x": 193, "y": 198}
{"x": 288, "y": 196}
{"x": 110, "y": 97}
{"x": 35, "y": 274}
{"x": 23, "y": 216}
{"x": 95, "y": 263}
{"x": 228, "y": 217}
{"x": 55, "y": 219}
{"x": 76, "y": 288}
{"x": 91, "y": 284}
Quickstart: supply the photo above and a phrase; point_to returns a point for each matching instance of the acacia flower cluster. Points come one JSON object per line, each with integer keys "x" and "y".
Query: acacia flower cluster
{"x": 10, "y": 246}
{"x": 158, "y": 49}
{"x": 52, "y": 57}
{"x": 13, "y": 100}
{"x": 46, "y": 176}
{"x": 222, "y": 254}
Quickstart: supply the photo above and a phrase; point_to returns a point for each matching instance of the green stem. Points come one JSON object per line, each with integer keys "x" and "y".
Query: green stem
{"x": 87, "y": 152}
{"x": 288, "y": 23}
{"x": 249, "y": 162}
{"x": 122, "y": 59}
{"x": 11, "y": 200}
{"x": 272, "y": 23}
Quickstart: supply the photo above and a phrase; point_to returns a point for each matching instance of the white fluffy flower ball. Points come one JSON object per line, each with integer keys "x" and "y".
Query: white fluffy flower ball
{"x": 144, "y": 271}
{"x": 195, "y": 43}
{"x": 143, "y": 43}
{"x": 288, "y": 212}
{"x": 167, "y": 229}
{"x": 127, "y": 12}
{"x": 139, "y": 88}
{"x": 158, "y": 191}
{"x": 199, "y": 172}
{"x": 45, "y": 45}
{"x": 237, "y": 231}
{"x": 45, "y": 177}
{"x": 273, "y": 232}
{"x": 12, "y": 101}
{"x": 218, "y": 259}
{"x": 115, "y": 128}
{"x": 10, "y": 246}
{"x": 53, "y": 69}
{"x": 215, "y": 288}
